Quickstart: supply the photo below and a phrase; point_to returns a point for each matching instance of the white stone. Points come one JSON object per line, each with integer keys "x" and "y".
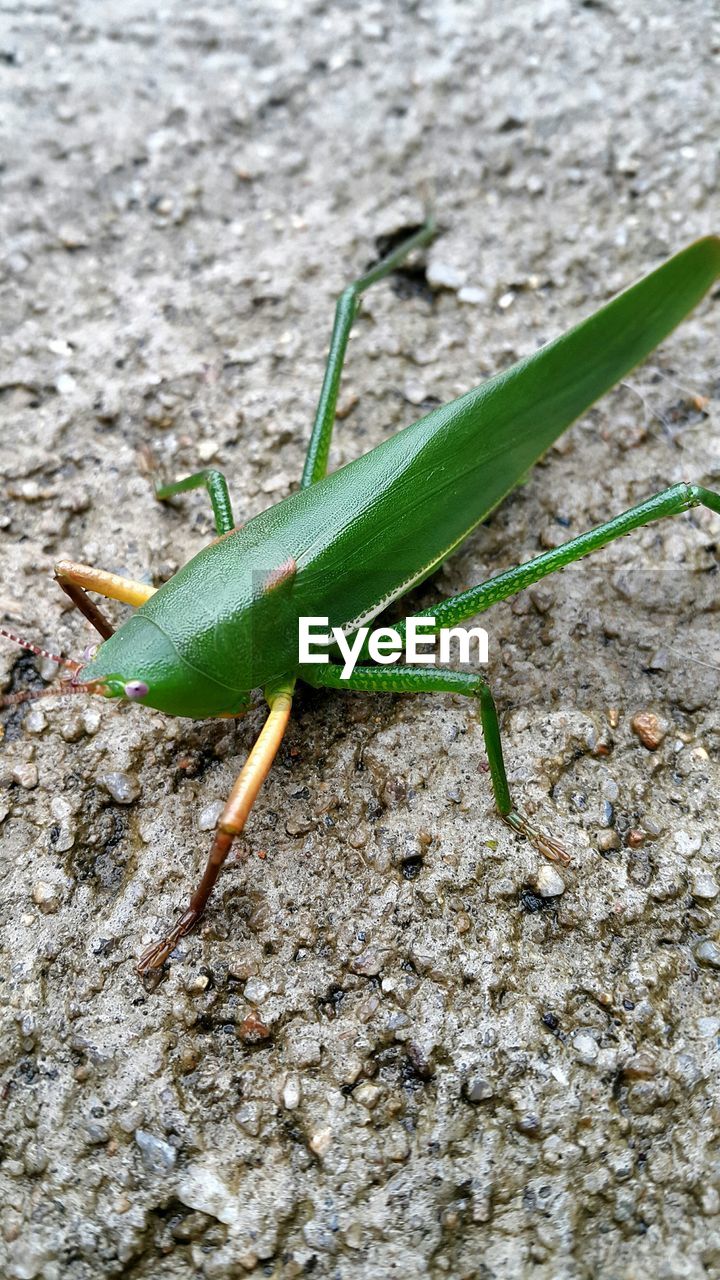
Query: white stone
{"x": 687, "y": 844}
{"x": 704, "y": 886}
{"x": 291, "y": 1093}
{"x": 46, "y": 896}
{"x": 203, "y": 1190}
{"x": 256, "y": 990}
{"x": 548, "y": 883}
{"x": 442, "y": 275}
{"x": 585, "y": 1047}
{"x": 206, "y": 449}
{"x": 208, "y": 816}
{"x": 473, "y": 296}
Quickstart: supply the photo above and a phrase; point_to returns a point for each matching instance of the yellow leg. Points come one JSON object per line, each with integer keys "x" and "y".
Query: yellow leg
{"x": 232, "y": 820}
{"x": 77, "y": 579}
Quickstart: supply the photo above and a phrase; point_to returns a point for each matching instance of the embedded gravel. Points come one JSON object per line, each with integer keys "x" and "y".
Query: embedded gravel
{"x": 398, "y": 1045}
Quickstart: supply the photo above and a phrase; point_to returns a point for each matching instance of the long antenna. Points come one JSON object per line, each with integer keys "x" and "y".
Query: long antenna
{"x": 31, "y": 695}
{"x": 41, "y": 653}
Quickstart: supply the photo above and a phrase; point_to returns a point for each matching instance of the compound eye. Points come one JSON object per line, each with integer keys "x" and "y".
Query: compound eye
{"x": 136, "y": 689}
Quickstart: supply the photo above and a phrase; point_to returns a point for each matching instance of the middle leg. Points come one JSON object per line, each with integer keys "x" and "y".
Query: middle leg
{"x": 218, "y": 493}
{"x": 435, "y": 680}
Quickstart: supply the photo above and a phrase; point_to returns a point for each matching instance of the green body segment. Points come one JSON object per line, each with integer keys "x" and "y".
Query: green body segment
{"x": 345, "y": 546}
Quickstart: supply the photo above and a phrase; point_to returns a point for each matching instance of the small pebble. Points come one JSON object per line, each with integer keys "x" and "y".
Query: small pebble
{"x": 441, "y": 275}
{"x": 707, "y": 1028}
{"x": 198, "y": 983}
{"x": 131, "y": 1119}
{"x": 25, "y": 775}
{"x": 123, "y": 787}
{"x": 710, "y": 1202}
{"x": 704, "y": 886}
{"x": 209, "y": 814}
{"x": 708, "y": 953}
{"x": 479, "y": 1089}
{"x": 71, "y": 236}
{"x": 59, "y": 347}
{"x": 321, "y": 1141}
{"x": 206, "y": 449}
{"x": 354, "y": 1236}
{"x": 291, "y": 1093}
{"x": 91, "y": 720}
{"x": 529, "y": 1124}
{"x": 256, "y": 990}
{"x": 35, "y": 721}
{"x": 473, "y": 296}
{"x": 549, "y": 883}
{"x": 65, "y": 384}
{"x": 649, "y": 729}
{"x": 157, "y": 1156}
{"x": 608, "y": 840}
{"x": 28, "y": 491}
{"x": 368, "y": 1095}
{"x": 317, "y": 1236}
{"x": 96, "y": 1135}
{"x": 687, "y": 844}
{"x": 369, "y": 962}
{"x": 585, "y": 1047}
{"x": 414, "y": 391}
{"x": 242, "y": 965}
{"x": 46, "y": 896}
{"x": 642, "y": 1066}
{"x": 202, "y": 1190}
{"x": 252, "y": 1030}
{"x": 28, "y": 1259}
{"x": 248, "y": 1116}
{"x": 65, "y": 837}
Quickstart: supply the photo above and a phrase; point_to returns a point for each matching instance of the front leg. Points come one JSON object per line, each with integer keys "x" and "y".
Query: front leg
{"x": 230, "y": 824}
{"x": 77, "y": 579}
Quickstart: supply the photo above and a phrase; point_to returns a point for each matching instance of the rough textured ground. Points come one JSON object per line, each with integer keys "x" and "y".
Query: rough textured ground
{"x": 458, "y": 1077}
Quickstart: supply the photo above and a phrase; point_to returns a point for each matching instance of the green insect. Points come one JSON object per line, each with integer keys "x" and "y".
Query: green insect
{"x": 347, "y": 544}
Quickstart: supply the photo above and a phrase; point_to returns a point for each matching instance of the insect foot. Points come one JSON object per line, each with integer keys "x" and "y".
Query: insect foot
{"x": 156, "y": 954}
{"x": 545, "y": 845}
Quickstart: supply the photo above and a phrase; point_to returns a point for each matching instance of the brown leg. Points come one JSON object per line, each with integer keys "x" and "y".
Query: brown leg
{"x": 77, "y": 579}
{"x": 232, "y": 820}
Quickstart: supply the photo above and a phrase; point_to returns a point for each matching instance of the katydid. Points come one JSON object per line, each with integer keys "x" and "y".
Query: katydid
{"x": 347, "y": 544}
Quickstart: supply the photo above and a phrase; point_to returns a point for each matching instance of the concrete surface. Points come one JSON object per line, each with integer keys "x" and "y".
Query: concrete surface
{"x": 385, "y": 1053}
